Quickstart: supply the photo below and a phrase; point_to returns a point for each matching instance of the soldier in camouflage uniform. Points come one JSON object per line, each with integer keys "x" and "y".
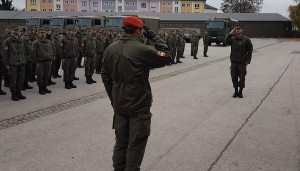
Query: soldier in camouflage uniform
{"x": 99, "y": 49}
{"x": 57, "y": 61}
{"x": 108, "y": 39}
{"x": 205, "y": 43}
{"x": 170, "y": 43}
{"x": 43, "y": 55}
{"x": 79, "y": 36}
{"x": 8, "y": 33}
{"x": 69, "y": 49}
{"x": 28, "y": 67}
{"x": 15, "y": 61}
{"x": 89, "y": 57}
{"x": 194, "y": 45}
{"x": 49, "y": 37}
{"x": 32, "y": 36}
{"x": 3, "y": 70}
{"x": 180, "y": 46}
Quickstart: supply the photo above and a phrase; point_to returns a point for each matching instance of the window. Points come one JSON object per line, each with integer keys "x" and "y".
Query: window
{"x": 57, "y": 0}
{"x": 176, "y": 9}
{"x": 153, "y": 7}
{"x": 112, "y": 11}
{"x": 143, "y": 5}
{"x": 84, "y": 3}
{"x": 72, "y": 2}
{"x": 120, "y": 1}
{"x": 169, "y": 4}
{"x": 84, "y": 10}
{"x": 95, "y": 4}
{"x": 176, "y": 2}
{"x": 105, "y": 3}
{"x": 43, "y": 1}
{"x": 66, "y": 2}
{"x": 95, "y": 10}
{"x": 44, "y": 10}
{"x": 133, "y": 3}
{"x": 72, "y": 10}
{"x": 164, "y": 5}
{"x": 188, "y": 5}
{"x": 111, "y": 3}
{"x": 183, "y": 5}
{"x": 32, "y": 2}
{"x": 127, "y": 3}
{"x": 50, "y": 1}
{"x": 197, "y": 6}
{"x": 120, "y": 8}
{"x": 57, "y": 7}
{"x": 50, "y": 9}
{"x": 33, "y": 10}
{"x": 106, "y": 10}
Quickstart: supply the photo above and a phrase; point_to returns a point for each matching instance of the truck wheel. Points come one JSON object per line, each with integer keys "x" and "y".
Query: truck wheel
{"x": 217, "y": 43}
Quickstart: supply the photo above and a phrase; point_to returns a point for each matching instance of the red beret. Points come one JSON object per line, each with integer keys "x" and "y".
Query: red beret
{"x": 133, "y": 22}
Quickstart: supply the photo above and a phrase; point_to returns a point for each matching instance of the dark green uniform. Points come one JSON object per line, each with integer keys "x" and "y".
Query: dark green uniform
{"x": 99, "y": 49}
{"x": 180, "y": 46}
{"x": 43, "y": 56}
{"x": 125, "y": 74}
{"x": 57, "y": 61}
{"x": 2, "y": 65}
{"x": 29, "y": 58}
{"x": 240, "y": 57}
{"x": 170, "y": 41}
{"x": 14, "y": 57}
{"x": 89, "y": 55}
{"x": 194, "y": 45}
{"x": 6, "y": 74}
{"x": 69, "y": 49}
{"x": 79, "y": 37}
{"x": 205, "y": 45}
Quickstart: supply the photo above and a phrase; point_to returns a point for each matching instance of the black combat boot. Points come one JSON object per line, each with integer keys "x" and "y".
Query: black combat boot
{"x": 92, "y": 80}
{"x": 20, "y": 95}
{"x": 241, "y": 93}
{"x": 205, "y": 55}
{"x": 72, "y": 85}
{"x": 14, "y": 96}
{"x": 67, "y": 85}
{"x": 75, "y": 78}
{"x": 98, "y": 71}
{"x": 2, "y": 92}
{"x": 178, "y": 61}
{"x": 88, "y": 80}
{"x": 46, "y": 90}
{"x": 50, "y": 82}
{"x": 195, "y": 57}
{"x": 236, "y": 92}
{"x": 42, "y": 91}
{"x": 26, "y": 86}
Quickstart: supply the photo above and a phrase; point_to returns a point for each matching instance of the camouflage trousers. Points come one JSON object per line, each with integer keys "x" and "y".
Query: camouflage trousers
{"x": 132, "y": 134}
{"x": 17, "y": 75}
{"x": 89, "y": 66}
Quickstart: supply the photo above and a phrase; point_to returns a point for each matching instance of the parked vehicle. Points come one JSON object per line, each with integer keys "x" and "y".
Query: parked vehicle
{"x": 218, "y": 28}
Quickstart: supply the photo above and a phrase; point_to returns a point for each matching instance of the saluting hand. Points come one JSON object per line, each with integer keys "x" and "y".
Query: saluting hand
{"x": 62, "y": 61}
{"x": 233, "y": 31}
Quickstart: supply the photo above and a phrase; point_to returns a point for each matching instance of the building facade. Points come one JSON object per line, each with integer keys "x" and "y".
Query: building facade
{"x": 154, "y": 6}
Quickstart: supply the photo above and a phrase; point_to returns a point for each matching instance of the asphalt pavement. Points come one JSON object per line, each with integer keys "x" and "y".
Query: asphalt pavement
{"x": 196, "y": 124}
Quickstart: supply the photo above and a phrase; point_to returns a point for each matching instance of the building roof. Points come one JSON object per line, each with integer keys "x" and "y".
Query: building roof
{"x": 210, "y": 7}
{"x": 257, "y": 17}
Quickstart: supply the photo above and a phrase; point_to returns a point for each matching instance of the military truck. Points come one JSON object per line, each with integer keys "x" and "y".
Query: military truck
{"x": 94, "y": 22}
{"x": 218, "y": 28}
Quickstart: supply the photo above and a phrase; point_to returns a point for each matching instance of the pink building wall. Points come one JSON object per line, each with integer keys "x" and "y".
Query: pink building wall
{"x": 70, "y": 6}
{"x": 165, "y": 6}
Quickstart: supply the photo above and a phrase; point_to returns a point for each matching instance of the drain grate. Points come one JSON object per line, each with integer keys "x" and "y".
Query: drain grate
{"x": 295, "y": 52}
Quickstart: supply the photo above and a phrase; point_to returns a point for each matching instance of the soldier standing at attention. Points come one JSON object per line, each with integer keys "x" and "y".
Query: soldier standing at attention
{"x": 3, "y": 69}
{"x": 125, "y": 71}
{"x": 43, "y": 55}
{"x": 8, "y": 33}
{"x": 28, "y": 67}
{"x": 69, "y": 49}
{"x": 205, "y": 43}
{"x": 240, "y": 57}
{"x": 180, "y": 46}
{"x": 194, "y": 45}
{"x": 99, "y": 48}
{"x": 15, "y": 61}
{"x": 89, "y": 57}
{"x": 57, "y": 61}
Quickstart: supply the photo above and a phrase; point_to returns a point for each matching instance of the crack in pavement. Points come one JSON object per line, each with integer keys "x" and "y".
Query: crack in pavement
{"x": 247, "y": 119}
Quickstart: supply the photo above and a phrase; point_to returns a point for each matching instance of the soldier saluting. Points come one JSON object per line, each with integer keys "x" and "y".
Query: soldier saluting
{"x": 240, "y": 57}
{"x": 15, "y": 61}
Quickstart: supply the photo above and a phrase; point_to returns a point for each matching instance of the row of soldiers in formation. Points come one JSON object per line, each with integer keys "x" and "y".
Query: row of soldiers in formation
{"x": 38, "y": 54}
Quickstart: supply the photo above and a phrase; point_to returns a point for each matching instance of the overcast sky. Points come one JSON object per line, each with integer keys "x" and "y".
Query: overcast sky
{"x": 269, "y": 6}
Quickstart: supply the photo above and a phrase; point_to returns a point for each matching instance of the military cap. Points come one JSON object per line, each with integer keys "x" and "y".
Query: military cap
{"x": 42, "y": 30}
{"x": 239, "y": 25}
{"x": 47, "y": 29}
{"x": 15, "y": 27}
{"x": 133, "y": 21}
